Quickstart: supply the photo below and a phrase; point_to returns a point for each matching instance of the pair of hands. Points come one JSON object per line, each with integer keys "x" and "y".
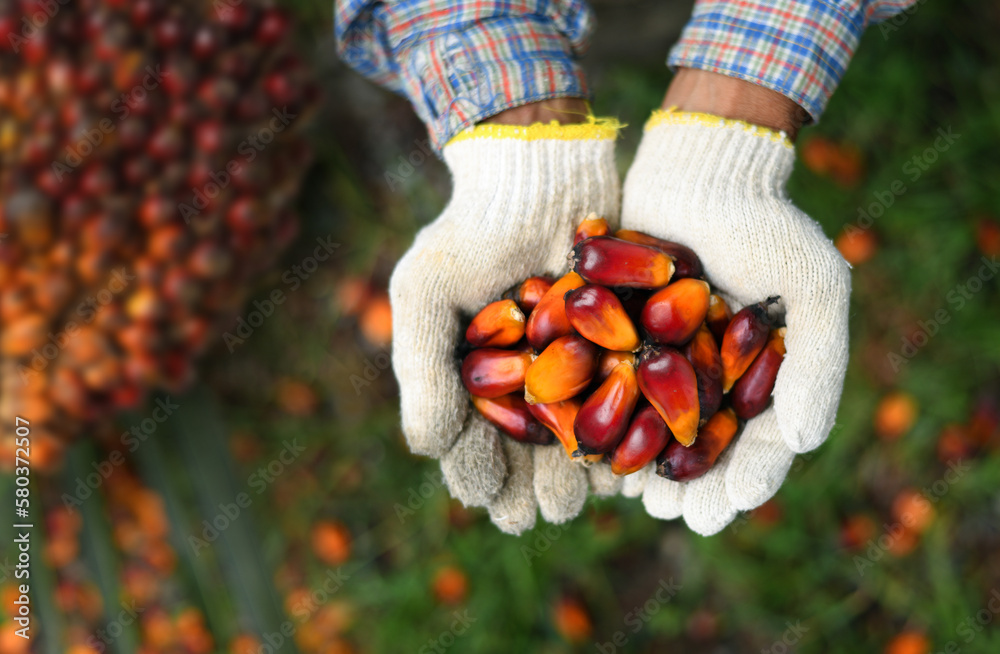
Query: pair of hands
{"x": 716, "y": 186}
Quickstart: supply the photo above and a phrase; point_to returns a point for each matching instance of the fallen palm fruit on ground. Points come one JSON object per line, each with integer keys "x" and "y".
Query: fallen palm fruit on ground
{"x": 628, "y": 359}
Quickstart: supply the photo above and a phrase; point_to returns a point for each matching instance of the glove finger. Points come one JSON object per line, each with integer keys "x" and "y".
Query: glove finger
{"x": 634, "y": 484}
{"x": 560, "y": 484}
{"x": 663, "y": 499}
{"x": 759, "y": 463}
{"x": 603, "y": 482}
{"x": 475, "y": 468}
{"x": 426, "y": 329}
{"x": 707, "y": 508}
{"x": 811, "y": 377}
{"x": 514, "y": 509}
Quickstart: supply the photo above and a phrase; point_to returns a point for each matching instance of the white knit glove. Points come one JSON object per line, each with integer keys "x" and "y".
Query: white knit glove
{"x": 518, "y": 194}
{"x": 718, "y": 186}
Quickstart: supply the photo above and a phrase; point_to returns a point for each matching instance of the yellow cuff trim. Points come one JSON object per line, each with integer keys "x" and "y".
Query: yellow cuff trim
{"x": 597, "y": 129}
{"x": 673, "y": 116}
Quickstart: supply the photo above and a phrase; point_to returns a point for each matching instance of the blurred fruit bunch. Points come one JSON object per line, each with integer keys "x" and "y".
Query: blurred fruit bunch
{"x": 564, "y": 358}
{"x": 151, "y": 152}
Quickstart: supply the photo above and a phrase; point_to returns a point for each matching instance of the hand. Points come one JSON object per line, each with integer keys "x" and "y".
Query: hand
{"x": 518, "y": 195}
{"x": 718, "y": 187}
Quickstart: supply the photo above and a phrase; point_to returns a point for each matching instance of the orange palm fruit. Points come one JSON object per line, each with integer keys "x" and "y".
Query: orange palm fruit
{"x": 530, "y": 292}
{"x": 605, "y": 415}
{"x": 498, "y": 324}
{"x": 591, "y": 226}
{"x": 491, "y": 372}
{"x": 645, "y": 438}
{"x": 686, "y": 463}
{"x": 24, "y": 334}
{"x": 559, "y": 417}
{"x": 598, "y": 315}
{"x": 672, "y": 315}
{"x": 548, "y": 320}
{"x": 510, "y": 413}
{"x": 704, "y": 356}
{"x": 752, "y": 391}
{"x": 686, "y": 262}
{"x": 607, "y": 362}
{"x": 610, "y": 261}
{"x": 718, "y": 316}
{"x": 669, "y": 382}
{"x": 561, "y": 371}
{"x": 744, "y": 339}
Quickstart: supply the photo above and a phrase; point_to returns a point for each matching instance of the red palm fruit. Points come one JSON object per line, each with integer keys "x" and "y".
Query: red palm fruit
{"x": 704, "y": 355}
{"x": 499, "y": 324}
{"x": 607, "y": 362}
{"x": 591, "y": 226}
{"x": 598, "y": 314}
{"x": 510, "y": 413}
{"x": 646, "y": 437}
{"x": 605, "y": 415}
{"x": 610, "y": 261}
{"x": 669, "y": 382}
{"x": 273, "y": 27}
{"x": 490, "y": 372}
{"x": 561, "y": 371}
{"x": 559, "y": 417}
{"x": 548, "y": 320}
{"x": 744, "y": 339}
{"x": 752, "y": 391}
{"x": 718, "y": 317}
{"x": 681, "y": 463}
{"x": 672, "y": 315}
{"x": 686, "y": 262}
{"x": 530, "y": 292}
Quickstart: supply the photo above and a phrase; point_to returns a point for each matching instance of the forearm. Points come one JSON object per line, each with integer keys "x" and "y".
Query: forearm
{"x": 792, "y": 50}
{"x": 461, "y": 64}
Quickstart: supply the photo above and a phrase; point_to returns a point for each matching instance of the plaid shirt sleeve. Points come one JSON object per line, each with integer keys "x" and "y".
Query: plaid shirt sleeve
{"x": 799, "y": 48}
{"x": 462, "y": 61}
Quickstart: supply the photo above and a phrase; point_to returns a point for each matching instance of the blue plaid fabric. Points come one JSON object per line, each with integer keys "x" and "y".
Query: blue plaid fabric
{"x": 461, "y": 61}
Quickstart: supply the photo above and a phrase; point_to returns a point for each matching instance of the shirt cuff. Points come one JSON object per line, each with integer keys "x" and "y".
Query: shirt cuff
{"x": 799, "y": 48}
{"x": 457, "y": 79}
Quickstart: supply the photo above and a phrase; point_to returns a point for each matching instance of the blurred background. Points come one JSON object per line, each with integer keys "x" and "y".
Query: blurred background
{"x": 199, "y": 211}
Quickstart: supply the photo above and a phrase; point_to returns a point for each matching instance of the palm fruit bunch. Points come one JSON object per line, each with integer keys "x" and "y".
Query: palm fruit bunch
{"x": 150, "y": 154}
{"x": 626, "y": 359}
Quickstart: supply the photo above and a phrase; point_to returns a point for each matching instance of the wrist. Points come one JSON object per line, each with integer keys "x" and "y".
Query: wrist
{"x": 702, "y": 91}
{"x": 565, "y": 111}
